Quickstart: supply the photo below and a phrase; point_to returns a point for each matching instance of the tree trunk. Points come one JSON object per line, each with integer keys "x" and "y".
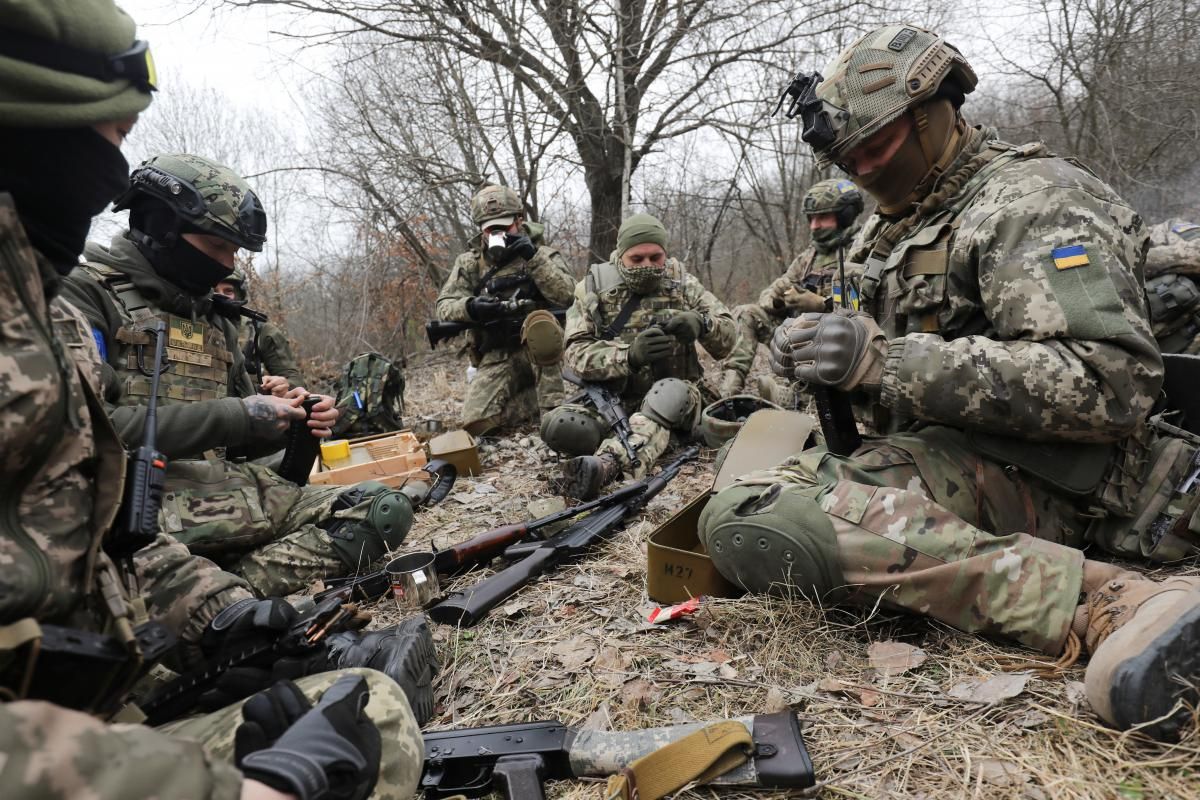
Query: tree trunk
{"x": 604, "y": 188}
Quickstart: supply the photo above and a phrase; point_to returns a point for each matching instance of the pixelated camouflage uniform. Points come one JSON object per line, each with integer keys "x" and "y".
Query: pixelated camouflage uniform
{"x": 254, "y": 522}
{"x": 64, "y": 467}
{"x": 505, "y": 370}
{"x": 1014, "y": 397}
{"x": 1172, "y": 267}
{"x": 598, "y": 354}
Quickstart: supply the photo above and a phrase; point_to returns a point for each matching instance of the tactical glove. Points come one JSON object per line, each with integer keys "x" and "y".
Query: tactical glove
{"x": 652, "y": 344}
{"x": 844, "y": 350}
{"x": 519, "y": 246}
{"x": 802, "y": 300}
{"x": 686, "y": 326}
{"x": 332, "y": 752}
{"x": 267, "y": 715}
{"x": 483, "y": 308}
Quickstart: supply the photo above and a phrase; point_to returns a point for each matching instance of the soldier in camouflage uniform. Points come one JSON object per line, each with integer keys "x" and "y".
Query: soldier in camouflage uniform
{"x": 1006, "y": 360}
{"x": 514, "y": 349}
{"x": 633, "y": 328}
{"x": 832, "y": 208}
{"x": 1172, "y": 269}
{"x": 271, "y": 352}
{"x": 62, "y": 472}
{"x": 188, "y": 218}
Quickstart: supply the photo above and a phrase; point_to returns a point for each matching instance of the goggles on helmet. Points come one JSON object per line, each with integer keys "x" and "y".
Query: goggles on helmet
{"x": 135, "y": 65}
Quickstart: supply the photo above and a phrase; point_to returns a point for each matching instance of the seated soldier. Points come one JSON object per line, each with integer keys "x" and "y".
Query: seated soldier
{"x": 814, "y": 277}
{"x": 1172, "y": 269}
{"x": 507, "y": 274}
{"x": 264, "y": 345}
{"x": 188, "y": 217}
{"x": 1006, "y": 360}
{"x": 633, "y": 327}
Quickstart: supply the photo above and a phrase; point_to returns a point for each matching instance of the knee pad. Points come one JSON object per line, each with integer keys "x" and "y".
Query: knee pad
{"x": 375, "y": 523}
{"x": 571, "y": 431}
{"x": 772, "y": 538}
{"x": 672, "y": 403}
{"x": 543, "y": 337}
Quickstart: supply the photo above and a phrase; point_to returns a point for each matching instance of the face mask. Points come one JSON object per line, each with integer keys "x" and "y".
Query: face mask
{"x": 642, "y": 280}
{"x": 190, "y": 269}
{"x": 826, "y": 239}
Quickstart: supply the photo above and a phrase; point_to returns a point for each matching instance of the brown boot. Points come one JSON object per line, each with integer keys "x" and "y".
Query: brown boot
{"x": 584, "y": 476}
{"x": 732, "y": 382}
{"x": 775, "y": 392}
{"x": 1144, "y": 637}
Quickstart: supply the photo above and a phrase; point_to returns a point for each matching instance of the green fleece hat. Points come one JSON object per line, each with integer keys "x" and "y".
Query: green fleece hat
{"x": 70, "y": 63}
{"x": 640, "y": 229}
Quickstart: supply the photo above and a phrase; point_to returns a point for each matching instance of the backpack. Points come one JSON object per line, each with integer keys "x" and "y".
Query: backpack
{"x": 369, "y": 397}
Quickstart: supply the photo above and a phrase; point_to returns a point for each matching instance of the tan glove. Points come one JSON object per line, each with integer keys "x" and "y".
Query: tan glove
{"x": 802, "y": 300}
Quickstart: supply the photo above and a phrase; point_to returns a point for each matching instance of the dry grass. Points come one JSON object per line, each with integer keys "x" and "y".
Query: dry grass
{"x": 574, "y": 646}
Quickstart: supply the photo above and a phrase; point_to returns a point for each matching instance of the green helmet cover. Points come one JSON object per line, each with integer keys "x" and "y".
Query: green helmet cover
{"x": 494, "y": 202}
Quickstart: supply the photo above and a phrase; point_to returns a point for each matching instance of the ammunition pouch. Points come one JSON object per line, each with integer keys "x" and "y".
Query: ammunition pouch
{"x": 77, "y": 669}
{"x": 368, "y": 521}
{"x": 1073, "y": 468}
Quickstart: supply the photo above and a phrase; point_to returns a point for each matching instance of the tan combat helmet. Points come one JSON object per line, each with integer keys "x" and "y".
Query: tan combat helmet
{"x": 498, "y": 204}
{"x": 873, "y": 82}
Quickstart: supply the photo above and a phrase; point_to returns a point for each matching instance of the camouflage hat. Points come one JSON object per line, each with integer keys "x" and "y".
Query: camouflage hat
{"x": 834, "y": 196}
{"x": 206, "y": 195}
{"x": 873, "y": 82}
{"x": 494, "y": 203}
{"x": 70, "y": 63}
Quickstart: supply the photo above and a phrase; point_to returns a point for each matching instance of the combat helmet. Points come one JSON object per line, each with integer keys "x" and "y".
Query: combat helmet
{"x": 873, "y": 82}
{"x": 203, "y": 196}
{"x": 721, "y": 421}
{"x": 498, "y": 204}
{"x": 238, "y": 279}
{"x": 834, "y": 196}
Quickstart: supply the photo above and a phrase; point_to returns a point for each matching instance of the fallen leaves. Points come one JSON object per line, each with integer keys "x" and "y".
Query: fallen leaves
{"x": 990, "y": 690}
{"x": 574, "y": 653}
{"x": 894, "y": 658}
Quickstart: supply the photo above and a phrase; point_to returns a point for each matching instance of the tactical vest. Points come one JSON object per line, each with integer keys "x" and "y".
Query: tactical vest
{"x": 1174, "y": 312}
{"x": 821, "y": 274}
{"x": 198, "y": 351}
{"x": 606, "y": 297}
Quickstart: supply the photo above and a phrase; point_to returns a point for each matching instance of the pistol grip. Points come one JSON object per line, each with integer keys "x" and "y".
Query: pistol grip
{"x": 518, "y": 777}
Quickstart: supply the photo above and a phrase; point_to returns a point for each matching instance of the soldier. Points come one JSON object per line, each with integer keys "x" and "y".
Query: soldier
{"x": 1008, "y": 363}
{"x": 508, "y": 273}
{"x": 264, "y": 345}
{"x": 633, "y": 328}
{"x": 1172, "y": 268}
{"x": 832, "y": 208}
{"x": 73, "y": 80}
{"x": 188, "y": 217}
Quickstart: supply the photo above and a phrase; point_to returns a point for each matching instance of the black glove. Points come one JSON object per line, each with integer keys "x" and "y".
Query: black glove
{"x": 330, "y": 753}
{"x": 686, "y": 326}
{"x": 519, "y": 245}
{"x": 652, "y": 344}
{"x": 483, "y": 308}
{"x": 248, "y": 624}
{"x": 267, "y": 716}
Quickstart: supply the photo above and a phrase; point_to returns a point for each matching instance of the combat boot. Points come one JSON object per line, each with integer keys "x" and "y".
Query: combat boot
{"x": 775, "y": 392}
{"x": 1144, "y": 637}
{"x": 403, "y": 652}
{"x": 584, "y": 476}
{"x": 732, "y": 383}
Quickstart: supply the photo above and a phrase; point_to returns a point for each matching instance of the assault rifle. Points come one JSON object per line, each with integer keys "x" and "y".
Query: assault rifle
{"x": 505, "y": 328}
{"x": 608, "y": 406}
{"x": 531, "y": 559}
{"x": 516, "y": 759}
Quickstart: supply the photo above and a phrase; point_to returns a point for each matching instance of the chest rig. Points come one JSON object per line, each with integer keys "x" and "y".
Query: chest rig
{"x": 197, "y": 349}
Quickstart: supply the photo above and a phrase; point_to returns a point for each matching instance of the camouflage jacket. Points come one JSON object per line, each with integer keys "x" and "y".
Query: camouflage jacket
{"x": 1016, "y": 306}
{"x": 274, "y": 351}
{"x": 1174, "y": 247}
{"x": 199, "y": 396}
{"x": 1172, "y": 268}
{"x": 596, "y": 353}
{"x": 545, "y": 278}
{"x": 63, "y": 472}
{"x": 811, "y": 268}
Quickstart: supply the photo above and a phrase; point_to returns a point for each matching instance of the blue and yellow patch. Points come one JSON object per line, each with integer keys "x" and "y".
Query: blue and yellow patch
{"x": 852, "y": 297}
{"x": 1068, "y": 257}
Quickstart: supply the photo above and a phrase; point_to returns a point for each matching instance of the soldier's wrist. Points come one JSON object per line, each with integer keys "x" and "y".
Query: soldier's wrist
{"x": 891, "y": 385}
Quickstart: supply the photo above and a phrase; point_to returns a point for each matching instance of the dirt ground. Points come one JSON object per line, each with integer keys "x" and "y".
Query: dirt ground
{"x": 891, "y": 706}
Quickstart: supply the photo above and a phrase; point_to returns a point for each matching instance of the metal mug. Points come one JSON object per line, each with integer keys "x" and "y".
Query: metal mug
{"x": 414, "y": 580}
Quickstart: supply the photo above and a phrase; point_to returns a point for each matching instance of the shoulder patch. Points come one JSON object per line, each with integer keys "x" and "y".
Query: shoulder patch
{"x": 1188, "y": 230}
{"x": 1069, "y": 257}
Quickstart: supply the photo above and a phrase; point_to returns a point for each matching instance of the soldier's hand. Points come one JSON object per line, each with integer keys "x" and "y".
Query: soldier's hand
{"x": 271, "y": 415}
{"x": 519, "y": 246}
{"x": 267, "y": 716}
{"x": 844, "y": 350}
{"x": 686, "y": 326}
{"x": 324, "y": 414}
{"x": 330, "y": 753}
{"x": 802, "y": 300}
{"x": 652, "y": 344}
{"x": 274, "y": 384}
{"x": 484, "y": 308}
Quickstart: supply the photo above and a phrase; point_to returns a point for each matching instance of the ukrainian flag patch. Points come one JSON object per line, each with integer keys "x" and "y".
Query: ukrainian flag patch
{"x": 1068, "y": 257}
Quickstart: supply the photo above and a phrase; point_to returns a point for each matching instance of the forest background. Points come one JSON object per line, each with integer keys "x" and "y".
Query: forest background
{"x": 366, "y": 126}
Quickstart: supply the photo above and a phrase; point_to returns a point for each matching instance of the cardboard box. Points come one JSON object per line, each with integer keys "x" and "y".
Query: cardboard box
{"x": 390, "y": 458}
{"x": 677, "y": 565}
{"x": 459, "y": 449}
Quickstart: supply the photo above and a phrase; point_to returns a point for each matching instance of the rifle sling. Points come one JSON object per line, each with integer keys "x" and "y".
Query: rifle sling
{"x": 622, "y": 318}
{"x": 700, "y": 757}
